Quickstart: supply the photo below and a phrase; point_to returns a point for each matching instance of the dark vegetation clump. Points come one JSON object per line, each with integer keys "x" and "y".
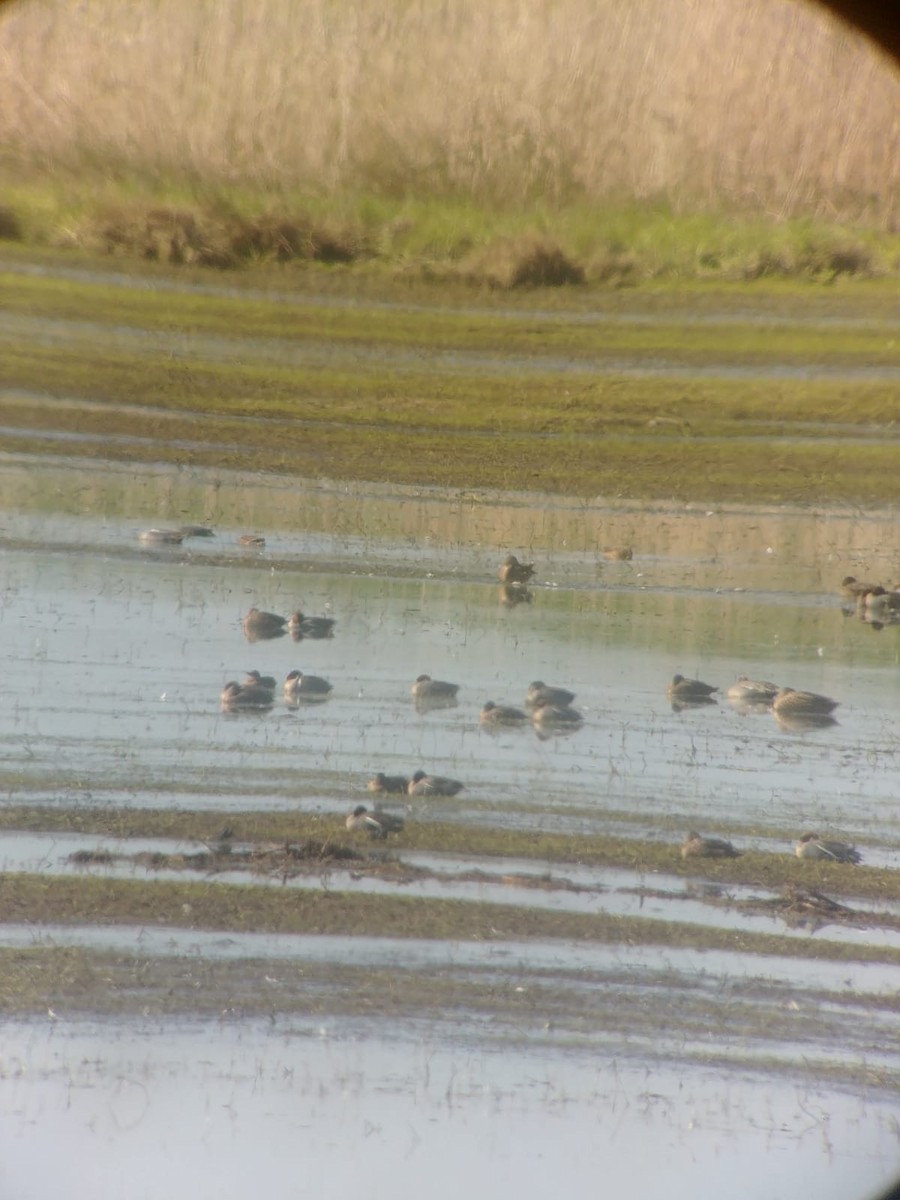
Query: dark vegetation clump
{"x": 526, "y": 262}
{"x": 10, "y": 225}
{"x": 179, "y": 236}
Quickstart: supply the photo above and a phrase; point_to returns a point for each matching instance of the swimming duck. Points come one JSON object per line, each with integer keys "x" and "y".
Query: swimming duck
{"x": 790, "y": 702}
{"x": 881, "y": 602}
{"x": 696, "y": 846}
{"x": 244, "y": 695}
{"x": 753, "y": 691}
{"x": 254, "y": 679}
{"x": 252, "y": 541}
{"x": 501, "y": 714}
{"x": 513, "y": 571}
{"x": 161, "y": 537}
{"x": 376, "y": 824}
{"x": 389, "y": 784}
{"x": 433, "y": 785}
{"x": 618, "y": 553}
{"x": 546, "y": 714}
{"x": 542, "y": 693}
{"x": 689, "y": 689}
{"x": 260, "y": 625}
{"x": 310, "y": 627}
{"x": 298, "y": 686}
{"x": 812, "y": 846}
{"x": 426, "y": 688}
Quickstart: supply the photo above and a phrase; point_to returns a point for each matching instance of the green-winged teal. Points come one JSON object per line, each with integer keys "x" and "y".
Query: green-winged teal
{"x": 542, "y": 693}
{"x": 245, "y": 695}
{"x": 546, "y": 715}
{"x": 689, "y": 689}
{"x": 812, "y": 846}
{"x": 618, "y": 553}
{"x": 422, "y": 784}
{"x": 310, "y": 627}
{"x": 161, "y": 537}
{"x": 695, "y": 846}
{"x": 426, "y": 688}
{"x": 792, "y": 703}
{"x": 501, "y": 714}
{"x": 376, "y": 824}
{"x": 261, "y": 625}
{"x": 513, "y": 571}
{"x": 298, "y": 686}
{"x": 254, "y": 679}
{"x": 851, "y": 587}
{"x": 389, "y": 784}
{"x": 881, "y": 602}
{"x": 252, "y": 541}
{"x": 753, "y": 691}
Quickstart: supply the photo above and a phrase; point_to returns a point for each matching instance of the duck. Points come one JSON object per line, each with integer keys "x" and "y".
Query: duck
{"x": 422, "y": 784}
{"x": 259, "y": 625}
{"x": 376, "y": 824}
{"x": 202, "y": 531}
{"x": 851, "y": 587}
{"x": 254, "y": 679}
{"x": 245, "y": 695}
{"x": 545, "y": 715}
{"x": 512, "y": 594}
{"x": 310, "y": 627}
{"x": 792, "y": 703}
{"x": 298, "y": 686}
{"x": 618, "y": 553}
{"x": 426, "y": 688}
{"x": 689, "y": 689}
{"x": 881, "y": 602}
{"x": 252, "y": 541}
{"x": 812, "y": 846}
{"x": 389, "y": 784}
{"x": 501, "y": 714}
{"x": 161, "y": 537}
{"x": 753, "y": 691}
{"x": 542, "y": 693}
{"x": 695, "y": 846}
{"x": 513, "y": 571}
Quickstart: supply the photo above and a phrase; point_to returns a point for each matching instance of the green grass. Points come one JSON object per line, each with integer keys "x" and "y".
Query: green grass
{"x": 446, "y": 234}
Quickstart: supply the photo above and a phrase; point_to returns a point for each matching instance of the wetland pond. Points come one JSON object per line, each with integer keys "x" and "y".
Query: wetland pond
{"x": 197, "y": 1057}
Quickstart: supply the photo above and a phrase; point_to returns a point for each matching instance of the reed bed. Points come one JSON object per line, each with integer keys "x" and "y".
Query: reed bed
{"x": 768, "y": 105}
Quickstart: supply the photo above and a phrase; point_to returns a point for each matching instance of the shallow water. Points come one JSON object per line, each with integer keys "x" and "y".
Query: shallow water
{"x": 328, "y": 1110}
{"x": 116, "y": 656}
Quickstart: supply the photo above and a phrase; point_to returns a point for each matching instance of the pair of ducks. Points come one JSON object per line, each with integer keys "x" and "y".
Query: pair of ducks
{"x": 258, "y": 691}
{"x": 811, "y": 845}
{"x": 547, "y": 707}
{"x": 421, "y": 784}
{"x": 259, "y": 625}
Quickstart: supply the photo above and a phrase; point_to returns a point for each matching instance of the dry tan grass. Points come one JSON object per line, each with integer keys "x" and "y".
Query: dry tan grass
{"x": 767, "y": 104}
